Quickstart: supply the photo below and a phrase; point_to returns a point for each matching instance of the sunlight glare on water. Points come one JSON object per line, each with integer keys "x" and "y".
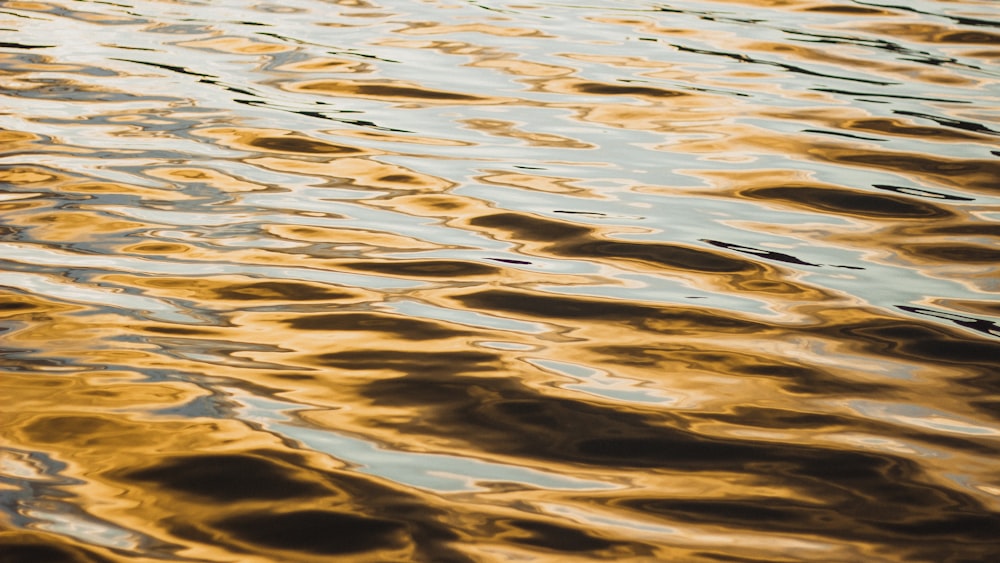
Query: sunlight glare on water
{"x": 469, "y": 280}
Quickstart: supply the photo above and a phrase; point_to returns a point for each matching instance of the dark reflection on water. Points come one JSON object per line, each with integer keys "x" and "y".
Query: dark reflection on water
{"x": 464, "y": 281}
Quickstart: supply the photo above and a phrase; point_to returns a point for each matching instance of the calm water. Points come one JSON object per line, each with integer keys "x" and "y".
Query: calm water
{"x": 470, "y": 280}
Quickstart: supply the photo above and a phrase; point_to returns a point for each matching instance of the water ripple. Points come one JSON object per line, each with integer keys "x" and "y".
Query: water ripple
{"x": 465, "y": 281}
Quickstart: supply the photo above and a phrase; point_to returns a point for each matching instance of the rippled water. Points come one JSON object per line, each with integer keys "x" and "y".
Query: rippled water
{"x": 453, "y": 280}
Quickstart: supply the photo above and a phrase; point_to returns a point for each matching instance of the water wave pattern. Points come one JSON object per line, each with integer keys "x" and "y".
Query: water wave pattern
{"x": 458, "y": 280}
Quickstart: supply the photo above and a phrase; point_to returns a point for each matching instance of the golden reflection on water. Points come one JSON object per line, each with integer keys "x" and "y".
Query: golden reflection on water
{"x": 712, "y": 281}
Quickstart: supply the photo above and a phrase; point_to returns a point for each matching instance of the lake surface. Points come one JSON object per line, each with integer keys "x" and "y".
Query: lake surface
{"x": 477, "y": 281}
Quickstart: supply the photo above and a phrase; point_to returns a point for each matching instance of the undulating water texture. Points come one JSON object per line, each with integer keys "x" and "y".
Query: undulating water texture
{"x": 499, "y": 281}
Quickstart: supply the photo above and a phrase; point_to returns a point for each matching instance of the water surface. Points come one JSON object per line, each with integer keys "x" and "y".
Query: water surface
{"x": 454, "y": 280}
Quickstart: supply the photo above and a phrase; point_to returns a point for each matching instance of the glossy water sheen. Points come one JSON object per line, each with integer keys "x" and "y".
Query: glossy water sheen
{"x": 452, "y": 280}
